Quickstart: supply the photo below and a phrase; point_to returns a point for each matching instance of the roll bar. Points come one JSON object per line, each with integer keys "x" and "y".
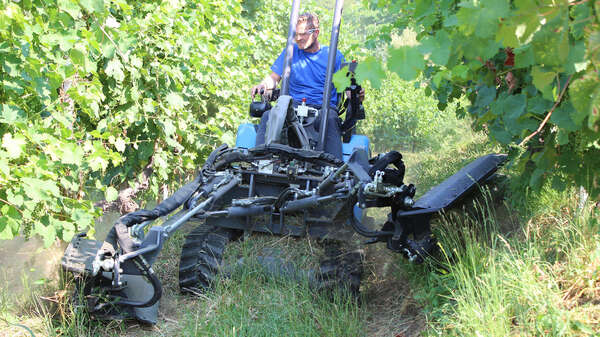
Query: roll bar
{"x": 289, "y": 49}
{"x": 335, "y": 32}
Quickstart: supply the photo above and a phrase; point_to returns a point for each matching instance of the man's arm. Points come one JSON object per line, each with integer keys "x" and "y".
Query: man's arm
{"x": 268, "y": 83}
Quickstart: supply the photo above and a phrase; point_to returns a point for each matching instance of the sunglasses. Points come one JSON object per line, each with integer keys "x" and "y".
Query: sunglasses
{"x": 308, "y": 32}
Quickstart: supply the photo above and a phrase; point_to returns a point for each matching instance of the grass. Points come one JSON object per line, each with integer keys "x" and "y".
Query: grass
{"x": 510, "y": 270}
{"x": 504, "y": 269}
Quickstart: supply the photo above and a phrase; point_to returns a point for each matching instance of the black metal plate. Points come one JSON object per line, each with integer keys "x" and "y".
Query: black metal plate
{"x": 80, "y": 254}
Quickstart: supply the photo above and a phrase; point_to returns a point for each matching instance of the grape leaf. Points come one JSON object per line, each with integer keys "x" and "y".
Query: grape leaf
{"x": 576, "y": 61}
{"x": 340, "y": 80}
{"x": 438, "y": 47}
{"x": 580, "y": 14}
{"x": 47, "y": 232}
{"x": 594, "y": 113}
{"x": 175, "y": 101}
{"x": 581, "y": 91}
{"x": 550, "y": 47}
{"x": 114, "y": 68}
{"x": 14, "y": 145}
{"x": 542, "y": 81}
{"x": 70, "y": 7}
{"x": 562, "y": 137}
{"x": 524, "y": 56}
{"x": 92, "y": 6}
{"x": 370, "y": 69}
{"x": 561, "y": 116}
{"x": 407, "y": 62}
{"x": 507, "y": 34}
{"x": 482, "y": 20}
{"x": 111, "y": 194}
{"x": 10, "y": 114}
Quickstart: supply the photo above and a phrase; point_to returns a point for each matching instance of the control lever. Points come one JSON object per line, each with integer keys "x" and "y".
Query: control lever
{"x": 257, "y": 109}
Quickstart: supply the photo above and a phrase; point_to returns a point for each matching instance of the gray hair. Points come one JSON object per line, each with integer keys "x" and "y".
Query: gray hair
{"x": 311, "y": 19}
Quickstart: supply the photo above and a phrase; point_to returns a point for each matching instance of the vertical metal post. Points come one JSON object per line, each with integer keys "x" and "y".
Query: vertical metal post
{"x": 289, "y": 48}
{"x": 335, "y": 32}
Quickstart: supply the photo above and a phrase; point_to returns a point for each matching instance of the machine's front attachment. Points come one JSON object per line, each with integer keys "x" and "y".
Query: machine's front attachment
{"x": 411, "y": 227}
{"x": 111, "y": 285}
{"x": 114, "y": 278}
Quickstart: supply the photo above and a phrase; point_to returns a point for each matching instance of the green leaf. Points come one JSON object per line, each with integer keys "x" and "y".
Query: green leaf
{"x": 594, "y": 113}
{"x": 10, "y": 114}
{"x": 424, "y": 8}
{"x": 460, "y": 71}
{"x": 438, "y": 47}
{"x": 82, "y": 218}
{"x": 542, "y": 81}
{"x": 4, "y": 167}
{"x": 120, "y": 144}
{"x": 407, "y": 62}
{"x": 581, "y": 91}
{"x": 114, "y": 68}
{"x": 77, "y": 57}
{"x": 581, "y": 17}
{"x": 370, "y": 69}
{"x": 70, "y": 7}
{"x": 482, "y": 20}
{"x": 561, "y": 116}
{"x": 562, "y": 137}
{"x": 9, "y": 228}
{"x": 14, "y": 146}
{"x": 576, "y": 61}
{"x": 175, "y": 101}
{"x": 168, "y": 127}
{"x": 48, "y": 233}
{"x": 507, "y": 34}
{"x": 511, "y": 108}
{"x": 485, "y": 96}
{"x": 71, "y": 153}
{"x": 538, "y": 105}
{"x": 535, "y": 181}
{"x": 524, "y": 57}
{"x": 92, "y": 6}
{"x": 111, "y": 194}
{"x": 39, "y": 189}
{"x": 550, "y": 47}
{"x": 340, "y": 79}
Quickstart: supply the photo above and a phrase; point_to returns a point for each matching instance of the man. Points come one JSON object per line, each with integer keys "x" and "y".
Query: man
{"x": 307, "y": 80}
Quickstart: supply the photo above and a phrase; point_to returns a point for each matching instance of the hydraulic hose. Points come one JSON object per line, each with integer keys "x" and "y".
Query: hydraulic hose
{"x": 366, "y": 232}
{"x": 148, "y": 273}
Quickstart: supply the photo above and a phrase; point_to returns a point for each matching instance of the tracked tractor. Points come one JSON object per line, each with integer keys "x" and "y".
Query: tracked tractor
{"x": 286, "y": 187}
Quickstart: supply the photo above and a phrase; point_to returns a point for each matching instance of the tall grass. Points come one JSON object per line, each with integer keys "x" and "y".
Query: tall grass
{"x": 509, "y": 270}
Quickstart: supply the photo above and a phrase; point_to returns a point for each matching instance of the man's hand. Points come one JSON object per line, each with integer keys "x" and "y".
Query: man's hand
{"x": 258, "y": 89}
{"x": 361, "y": 94}
{"x": 268, "y": 83}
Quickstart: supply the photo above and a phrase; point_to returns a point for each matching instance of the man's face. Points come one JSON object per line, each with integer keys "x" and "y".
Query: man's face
{"x": 305, "y": 37}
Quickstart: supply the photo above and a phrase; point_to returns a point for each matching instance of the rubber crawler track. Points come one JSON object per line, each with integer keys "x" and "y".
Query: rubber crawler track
{"x": 340, "y": 270}
{"x": 201, "y": 257}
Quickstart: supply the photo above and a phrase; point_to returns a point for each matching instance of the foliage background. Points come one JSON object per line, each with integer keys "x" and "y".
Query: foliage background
{"x": 96, "y": 94}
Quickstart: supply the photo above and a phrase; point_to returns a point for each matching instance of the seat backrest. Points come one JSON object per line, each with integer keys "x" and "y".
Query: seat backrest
{"x": 356, "y": 141}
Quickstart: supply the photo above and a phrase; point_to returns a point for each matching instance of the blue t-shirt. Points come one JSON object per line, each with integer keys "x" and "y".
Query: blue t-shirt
{"x": 308, "y": 73}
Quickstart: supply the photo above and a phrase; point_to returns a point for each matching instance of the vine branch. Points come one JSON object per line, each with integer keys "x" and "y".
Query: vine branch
{"x": 13, "y": 205}
{"x": 558, "y": 100}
